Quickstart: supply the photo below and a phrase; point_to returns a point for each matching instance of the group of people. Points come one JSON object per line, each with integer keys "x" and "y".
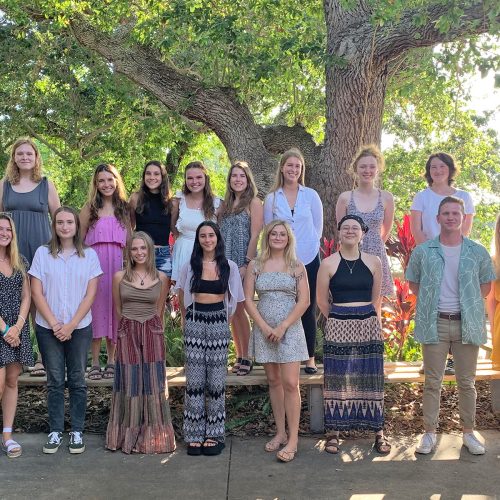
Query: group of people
{"x": 105, "y": 273}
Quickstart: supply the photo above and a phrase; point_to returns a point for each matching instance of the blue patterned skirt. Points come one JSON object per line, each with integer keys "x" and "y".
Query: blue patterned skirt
{"x": 353, "y": 353}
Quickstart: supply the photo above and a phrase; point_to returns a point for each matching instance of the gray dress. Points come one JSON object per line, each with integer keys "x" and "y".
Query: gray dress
{"x": 235, "y": 230}
{"x": 30, "y": 213}
{"x": 372, "y": 241}
{"x": 277, "y": 292}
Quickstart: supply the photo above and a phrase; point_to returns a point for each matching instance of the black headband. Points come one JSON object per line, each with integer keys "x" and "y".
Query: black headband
{"x": 357, "y": 218}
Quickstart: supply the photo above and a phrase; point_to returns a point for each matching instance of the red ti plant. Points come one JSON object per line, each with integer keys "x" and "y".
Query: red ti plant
{"x": 329, "y": 247}
{"x": 399, "y": 311}
{"x": 401, "y": 245}
{"x": 397, "y": 314}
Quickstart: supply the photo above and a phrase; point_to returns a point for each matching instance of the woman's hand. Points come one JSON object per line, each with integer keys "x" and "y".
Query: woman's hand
{"x": 277, "y": 333}
{"x": 242, "y": 270}
{"x": 12, "y": 336}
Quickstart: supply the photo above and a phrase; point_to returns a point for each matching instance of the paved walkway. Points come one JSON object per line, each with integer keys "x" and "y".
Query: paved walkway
{"x": 245, "y": 471}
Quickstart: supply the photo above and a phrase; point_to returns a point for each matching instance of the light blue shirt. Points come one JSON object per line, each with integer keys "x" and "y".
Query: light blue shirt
{"x": 64, "y": 283}
{"x": 426, "y": 268}
{"x": 306, "y": 221}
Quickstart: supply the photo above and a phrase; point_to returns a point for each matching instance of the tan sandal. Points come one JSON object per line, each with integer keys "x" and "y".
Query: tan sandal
{"x": 286, "y": 456}
{"x": 275, "y": 444}
{"x": 332, "y": 445}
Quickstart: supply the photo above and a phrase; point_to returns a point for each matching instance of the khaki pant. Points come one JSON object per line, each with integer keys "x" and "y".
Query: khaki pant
{"x": 465, "y": 357}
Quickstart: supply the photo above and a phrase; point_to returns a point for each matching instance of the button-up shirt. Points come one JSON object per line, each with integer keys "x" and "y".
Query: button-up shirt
{"x": 64, "y": 282}
{"x": 306, "y": 220}
{"x": 426, "y": 268}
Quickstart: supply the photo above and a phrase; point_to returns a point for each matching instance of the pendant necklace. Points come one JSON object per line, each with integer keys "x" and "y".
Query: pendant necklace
{"x": 348, "y": 266}
{"x": 141, "y": 278}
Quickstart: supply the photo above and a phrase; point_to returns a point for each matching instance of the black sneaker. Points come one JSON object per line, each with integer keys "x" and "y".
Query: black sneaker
{"x": 450, "y": 367}
{"x": 76, "y": 442}
{"x": 54, "y": 440}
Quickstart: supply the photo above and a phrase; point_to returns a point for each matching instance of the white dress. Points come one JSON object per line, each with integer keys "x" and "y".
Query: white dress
{"x": 187, "y": 223}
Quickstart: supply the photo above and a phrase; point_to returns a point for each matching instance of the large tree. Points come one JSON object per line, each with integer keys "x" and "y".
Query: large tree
{"x": 192, "y": 56}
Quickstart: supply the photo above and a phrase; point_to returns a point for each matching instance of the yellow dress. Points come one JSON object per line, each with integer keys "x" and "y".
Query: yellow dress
{"x": 495, "y": 356}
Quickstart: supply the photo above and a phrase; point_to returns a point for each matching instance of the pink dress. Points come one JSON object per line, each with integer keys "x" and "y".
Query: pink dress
{"x": 107, "y": 237}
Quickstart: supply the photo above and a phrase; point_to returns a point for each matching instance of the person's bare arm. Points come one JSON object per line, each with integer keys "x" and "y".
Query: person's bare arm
{"x": 54, "y": 201}
{"x": 41, "y": 304}
{"x": 256, "y": 224}
{"x": 160, "y": 305}
{"x": 485, "y": 289}
{"x": 133, "y": 205}
{"x": 416, "y": 227}
{"x": 376, "y": 267}
{"x": 174, "y": 217}
{"x": 84, "y": 220}
{"x": 250, "y": 307}
{"x": 1, "y": 195}
{"x": 13, "y": 335}
{"x": 117, "y": 300}
{"x": 386, "y": 227}
{"x": 491, "y": 304}
{"x": 341, "y": 207}
{"x": 323, "y": 287}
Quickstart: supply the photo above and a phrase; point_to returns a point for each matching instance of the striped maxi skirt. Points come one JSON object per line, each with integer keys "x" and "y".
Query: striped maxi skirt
{"x": 140, "y": 420}
{"x": 353, "y": 352}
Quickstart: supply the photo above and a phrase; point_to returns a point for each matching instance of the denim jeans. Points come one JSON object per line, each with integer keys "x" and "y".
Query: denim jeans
{"x": 69, "y": 356}
{"x": 163, "y": 260}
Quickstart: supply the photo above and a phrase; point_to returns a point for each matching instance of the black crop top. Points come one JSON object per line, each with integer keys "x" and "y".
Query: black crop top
{"x": 153, "y": 219}
{"x": 214, "y": 287}
{"x": 351, "y": 287}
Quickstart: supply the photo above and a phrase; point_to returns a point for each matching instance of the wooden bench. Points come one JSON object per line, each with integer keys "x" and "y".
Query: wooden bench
{"x": 395, "y": 372}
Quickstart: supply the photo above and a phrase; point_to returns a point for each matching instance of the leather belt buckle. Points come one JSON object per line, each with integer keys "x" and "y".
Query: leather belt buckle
{"x": 450, "y": 316}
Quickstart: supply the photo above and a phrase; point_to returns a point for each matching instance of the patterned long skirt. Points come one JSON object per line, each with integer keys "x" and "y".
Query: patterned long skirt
{"x": 206, "y": 340}
{"x": 140, "y": 420}
{"x": 354, "y": 369}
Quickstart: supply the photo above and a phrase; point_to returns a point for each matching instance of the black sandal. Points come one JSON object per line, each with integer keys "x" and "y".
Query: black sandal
{"x": 245, "y": 367}
{"x": 212, "y": 447}
{"x": 381, "y": 445}
{"x": 236, "y": 366}
{"x": 194, "y": 450}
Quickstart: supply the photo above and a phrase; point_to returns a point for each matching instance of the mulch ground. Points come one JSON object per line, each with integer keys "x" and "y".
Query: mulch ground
{"x": 249, "y": 411}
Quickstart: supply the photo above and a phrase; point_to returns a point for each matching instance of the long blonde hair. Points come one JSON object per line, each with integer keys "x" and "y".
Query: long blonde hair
{"x": 150, "y": 260}
{"x": 246, "y": 197}
{"x": 12, "y": 170}
{"x": 496, "y": 247}
{"x": 291, "y": 153}
{"x": 12, "y": 248}
{"x": 265, "y": 250}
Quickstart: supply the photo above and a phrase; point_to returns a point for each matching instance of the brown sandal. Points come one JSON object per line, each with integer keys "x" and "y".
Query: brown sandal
{"x": 236, "y": 366}
{"x": 95, "y": 373}
{"x": 332, "y": 445}
{"x": 245, "y": 367}
{"x": 381, "y": 445}
{"x": 109, "y": 371}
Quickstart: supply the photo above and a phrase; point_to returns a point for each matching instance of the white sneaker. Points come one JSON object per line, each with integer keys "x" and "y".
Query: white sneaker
{"x": 427, "y": 443}
{"x": 472, "y": 443}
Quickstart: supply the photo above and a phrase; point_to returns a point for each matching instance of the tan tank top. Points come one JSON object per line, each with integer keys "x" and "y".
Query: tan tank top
{"x": 139, "y": 304}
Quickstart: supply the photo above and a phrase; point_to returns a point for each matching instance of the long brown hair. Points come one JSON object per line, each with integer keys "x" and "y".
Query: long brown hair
{"x": 95, "y": 199}
{"x": 246, "y": 197}
{"x": 291, "y": 153}
{"x": 12, "y": 170}
{"x": 208, "y": 196}
{"x": 55, "y": 243}
{"x": 143, "y": 193}
{"x": 12, "y": 248}
{"x": 129, "y": 263}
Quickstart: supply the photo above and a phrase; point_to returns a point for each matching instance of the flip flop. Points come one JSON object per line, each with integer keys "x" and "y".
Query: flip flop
{"x": 12, "y": 448}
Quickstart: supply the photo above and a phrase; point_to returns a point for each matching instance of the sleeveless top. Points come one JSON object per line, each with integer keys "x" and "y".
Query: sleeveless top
{"x": 352, "y": 282}
{"x": 106, "y": 229}
{"x": 30, "y": 213}
{"x": 214, "y": 287}
{"x": 372, "y": 241}
{"x": 235, "y": 230}
{"x": 139, "y": 304}
{"x": 154, "y": 220}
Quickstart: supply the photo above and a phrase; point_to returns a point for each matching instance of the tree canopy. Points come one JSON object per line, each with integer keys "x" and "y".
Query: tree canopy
{"x": 95, "y": 79}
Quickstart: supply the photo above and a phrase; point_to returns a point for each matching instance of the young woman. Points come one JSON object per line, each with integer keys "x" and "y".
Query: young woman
{"x": 241, "y": 220}
{"x": 493, "y": 300}
{"x": 105, "y": 223}
{"x": 301, "y": 207}
{"x": 209, "y": 287}
{"x": 353, "y": 346}
{"x": 440, "y": 173}
{"x": 64, "y": 277}
{"x": 190, "y": 208}
{"x": 280, "y": 281}
{"x": 150, "y": 211}
{"x": 29, "y": 197}
{"x": 140, "y": 420}
{"x": 374, "y": 206}
{"x": 15, "y": 344}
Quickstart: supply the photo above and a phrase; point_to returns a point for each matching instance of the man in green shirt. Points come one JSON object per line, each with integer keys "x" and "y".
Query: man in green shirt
{"x": 450, "y": 275}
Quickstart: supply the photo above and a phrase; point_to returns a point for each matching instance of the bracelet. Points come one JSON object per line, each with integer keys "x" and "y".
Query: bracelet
{"x": 7, "y": 328}
{"x": 247, "y": 260}
{"x": 22, "y": 317}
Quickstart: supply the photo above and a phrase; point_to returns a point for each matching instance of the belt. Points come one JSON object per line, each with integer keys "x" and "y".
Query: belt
{"x": 450, "y": 316}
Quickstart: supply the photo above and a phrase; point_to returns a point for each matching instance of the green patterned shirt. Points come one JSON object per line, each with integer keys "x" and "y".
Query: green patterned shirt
{"x": 426, "y": 268}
